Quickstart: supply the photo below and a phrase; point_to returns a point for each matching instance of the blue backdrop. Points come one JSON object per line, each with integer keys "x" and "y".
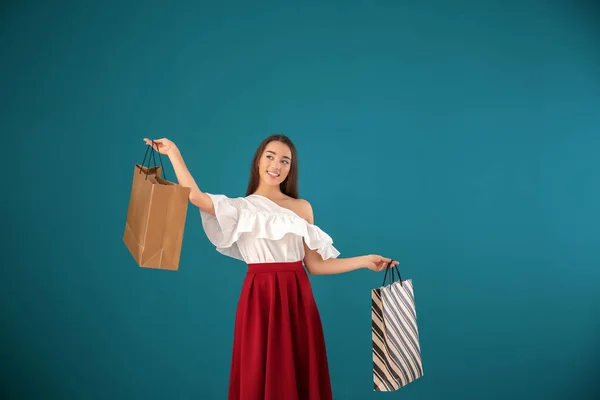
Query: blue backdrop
{"x": 460, "y": 138}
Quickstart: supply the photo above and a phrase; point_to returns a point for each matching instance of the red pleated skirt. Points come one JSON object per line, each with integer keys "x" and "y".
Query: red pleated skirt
{"x": 278, "y": 348}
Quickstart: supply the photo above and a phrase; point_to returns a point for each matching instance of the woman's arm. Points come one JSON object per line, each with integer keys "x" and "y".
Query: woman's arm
{"x": 317, "y": 266}
{"x": 185, "y": 179}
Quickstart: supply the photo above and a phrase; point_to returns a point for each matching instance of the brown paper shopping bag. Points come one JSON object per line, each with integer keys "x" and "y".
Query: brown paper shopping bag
{"x": 155, "y": 218}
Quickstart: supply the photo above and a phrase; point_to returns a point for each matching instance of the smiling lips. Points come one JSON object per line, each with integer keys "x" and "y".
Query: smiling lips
{"x": 273, "y": 174}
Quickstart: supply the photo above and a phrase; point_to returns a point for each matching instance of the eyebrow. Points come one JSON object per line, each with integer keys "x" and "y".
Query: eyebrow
{"x": 269, "y": 151}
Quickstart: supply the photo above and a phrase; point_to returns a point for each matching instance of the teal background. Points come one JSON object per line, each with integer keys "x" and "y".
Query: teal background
{"x": 460, "y": 138}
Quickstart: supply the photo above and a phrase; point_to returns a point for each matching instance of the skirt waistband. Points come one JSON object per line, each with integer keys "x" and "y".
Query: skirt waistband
{"x": 276, "y": 266}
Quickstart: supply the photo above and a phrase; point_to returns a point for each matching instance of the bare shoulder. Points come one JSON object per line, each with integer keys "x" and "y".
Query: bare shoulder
{"x": 303, "y": 208}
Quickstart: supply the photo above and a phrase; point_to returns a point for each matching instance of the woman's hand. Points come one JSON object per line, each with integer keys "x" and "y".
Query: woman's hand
{"x": 163, "y": 146}
{"x": 378, "y": 263}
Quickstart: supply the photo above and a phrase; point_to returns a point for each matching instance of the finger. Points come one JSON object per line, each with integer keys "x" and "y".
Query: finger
{"x": 149, "y": 142}
{"x": 156, "y": 145}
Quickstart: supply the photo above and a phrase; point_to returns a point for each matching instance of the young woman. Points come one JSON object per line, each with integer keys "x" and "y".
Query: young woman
{"x": 278, "y": 348}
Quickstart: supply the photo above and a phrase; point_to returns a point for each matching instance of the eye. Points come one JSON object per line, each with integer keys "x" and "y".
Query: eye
{"x": 286, "y": 161}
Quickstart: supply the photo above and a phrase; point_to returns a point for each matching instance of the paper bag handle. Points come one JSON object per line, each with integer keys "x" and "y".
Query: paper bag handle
{"x": 395, "y": 267}
{"x": 152, "y": 156}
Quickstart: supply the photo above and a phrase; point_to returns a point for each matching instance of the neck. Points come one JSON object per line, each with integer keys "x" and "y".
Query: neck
{"x": 271, "y": 192}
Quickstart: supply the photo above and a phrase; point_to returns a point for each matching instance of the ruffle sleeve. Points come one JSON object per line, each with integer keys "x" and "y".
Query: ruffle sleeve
{"x": 221, "y": 228}
{"x": 234, "y": 217}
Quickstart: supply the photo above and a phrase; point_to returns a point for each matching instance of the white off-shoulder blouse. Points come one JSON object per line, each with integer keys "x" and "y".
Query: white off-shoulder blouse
{"x": 255, "y": 229}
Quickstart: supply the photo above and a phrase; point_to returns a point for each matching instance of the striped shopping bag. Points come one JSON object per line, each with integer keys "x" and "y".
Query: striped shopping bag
{"x": 395, "y": 335}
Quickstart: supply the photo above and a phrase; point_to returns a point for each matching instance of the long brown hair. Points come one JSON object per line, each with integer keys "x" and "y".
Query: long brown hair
{"x": 290, "y": 185}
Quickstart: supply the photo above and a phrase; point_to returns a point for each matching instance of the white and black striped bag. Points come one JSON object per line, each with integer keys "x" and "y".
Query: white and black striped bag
{"x": 396, "y": 347}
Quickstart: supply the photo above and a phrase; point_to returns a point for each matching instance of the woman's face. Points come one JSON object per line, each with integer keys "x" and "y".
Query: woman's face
{"x": 274, "y": 164}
